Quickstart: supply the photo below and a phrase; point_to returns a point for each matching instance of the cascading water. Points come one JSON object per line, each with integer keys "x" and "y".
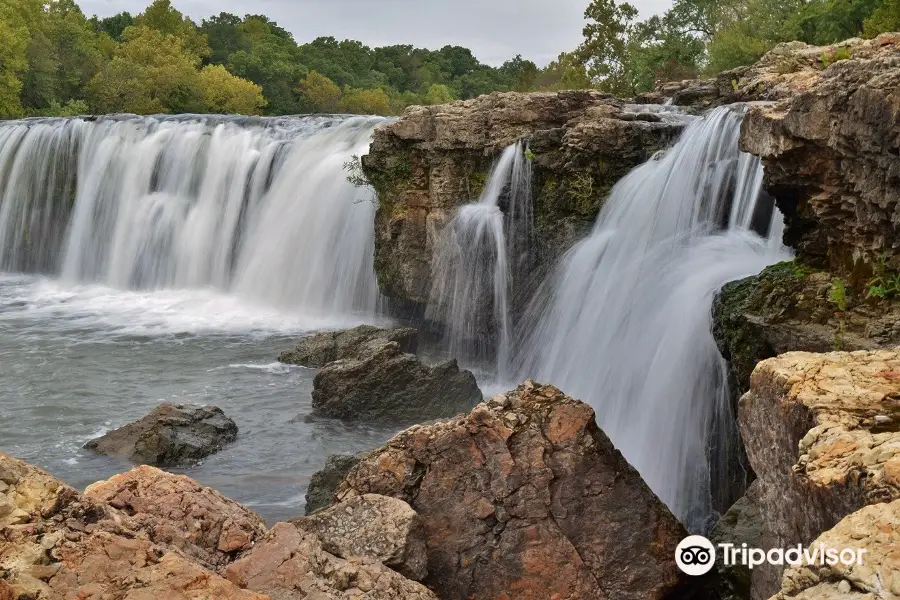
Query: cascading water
{"x": 260, "y": 208}
{"x": 473, "y": 264}
{"x": 625, "y": 321}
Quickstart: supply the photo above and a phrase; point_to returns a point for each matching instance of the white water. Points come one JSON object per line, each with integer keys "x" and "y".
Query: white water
{"x": 257, "y": 209}
{"x": 625, "y": 321}
{"x": 472, "y": 268}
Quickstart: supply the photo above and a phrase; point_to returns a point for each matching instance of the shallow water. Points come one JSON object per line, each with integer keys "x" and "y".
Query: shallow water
{"x": 76, "y": 361}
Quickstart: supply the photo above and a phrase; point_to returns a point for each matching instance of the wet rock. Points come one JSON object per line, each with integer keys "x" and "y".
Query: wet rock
{"x": 170, "y": 435}
{"x": 58, "y": 544}
{"x": 875, "y": 529}
{"x": 324, "y": 482}
{"x": 289, "y": 564}
{"x": 319, "y": 349}
{"x": 822, "y": 432}
{"x": 176, "y": 511}
{"x": 526, "y": 498}
{"x": 379, "y": 527}
{"x": 741, "y": 524}
{"x": 386, "y": 385}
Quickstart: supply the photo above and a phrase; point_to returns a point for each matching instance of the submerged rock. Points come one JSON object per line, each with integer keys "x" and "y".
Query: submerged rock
{"x": 170, "y": 435}
{"x": 319, "y": 349}
{"x": 386, "y": 385}
{"x": 822, "y": 432}
{"x": 526, "y": 498}
{"x": 324, "y": 482}
{"x": 374, "y": 526}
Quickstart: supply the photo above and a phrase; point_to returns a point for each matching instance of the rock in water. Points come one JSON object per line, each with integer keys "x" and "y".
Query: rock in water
{"x": 323, "y": 483}
{"x": 526, "y": 498}
{"x": 386, "y": 385}
{"x": 374, "y": 526}
{"x": 741, "y": 524}
{"x": 322, "y": 348}
{"x": 171, "y": 435}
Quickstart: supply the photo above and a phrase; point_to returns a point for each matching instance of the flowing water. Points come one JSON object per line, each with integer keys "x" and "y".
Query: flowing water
{"x": 172, "y": 258}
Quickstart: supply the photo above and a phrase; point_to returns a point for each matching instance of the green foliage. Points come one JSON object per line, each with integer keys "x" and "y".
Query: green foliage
{"x": 883, "y": 285}
{"x": 438, "y": 93}
{"x": 886, "y": 17}
{"x": 319, "y": 94}
{"x": 838, "y": 297}
{"x": 14, "y": 34}
{"x": 162, "y": 17}
{"x": 365, "y": 102}
{"x": 605, "y": 49}
{"x": 227, "y": 94}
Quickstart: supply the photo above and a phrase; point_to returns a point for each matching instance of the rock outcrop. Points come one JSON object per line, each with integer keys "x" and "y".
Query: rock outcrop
{"x": 526, "y": 498}
{"x": 170, "y": 435}
{"x": 822, "y": 432}
{"x": 386, "y": 385}
{"x": 325, "y": 481}
{"x": 319, "y": 349}
{"x": 874, "y": 529}
{"x": 436, "y": 158}
{"x": 741, "y": 524}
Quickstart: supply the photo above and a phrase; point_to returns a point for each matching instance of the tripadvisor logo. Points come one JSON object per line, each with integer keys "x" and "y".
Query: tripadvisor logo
{"x": 696, "y": 555}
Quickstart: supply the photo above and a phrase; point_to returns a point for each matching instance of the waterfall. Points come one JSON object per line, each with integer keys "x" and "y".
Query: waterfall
{"x": 256, "y": 207}
{"x": 473, "y": 265}
{"x": 624, "y": 322}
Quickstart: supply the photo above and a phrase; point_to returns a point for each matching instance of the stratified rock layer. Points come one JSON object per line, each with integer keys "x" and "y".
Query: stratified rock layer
{"x": 170, "y": 435}
{"x": 386, "y": 385}
{"x": 319, "y": 349}
{"x": 436, "y": 158}
{"x": 821, "y": 433}
{"x": 526, "y": 498}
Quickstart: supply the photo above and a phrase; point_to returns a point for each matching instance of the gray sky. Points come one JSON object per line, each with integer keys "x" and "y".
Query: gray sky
{"x": 494, "y": 30}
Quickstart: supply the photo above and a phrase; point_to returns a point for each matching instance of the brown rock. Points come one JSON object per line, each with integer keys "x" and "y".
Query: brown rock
{"x": 526, "y": 498}
{"x": 319, "y": 349}
{"x": 176, "y": 511}
{"x": 289, "y": 564}
{"x": 377, "y": 527}
{"x": 821, "y": 432}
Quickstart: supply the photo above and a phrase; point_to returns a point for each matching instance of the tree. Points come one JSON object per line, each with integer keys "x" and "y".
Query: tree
{"x": 161, "y": 16}
{"x": 319, "y": 94}
{"x": 885, "y": 18}
{"x": 438, "y": 93}
{"x": 605, "y": 47}
{"x": 113, "y": 26}
{"x": 224, "y": 35}
{"x": 365, "y": 102}
{"x": 564, "y": 73}
{"x": 13, "y": 57}
{"x": 224, "y": 93}
{"x": 521, "y": 73}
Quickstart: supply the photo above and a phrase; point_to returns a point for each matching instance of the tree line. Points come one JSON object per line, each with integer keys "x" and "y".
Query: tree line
{"x": 55, "y": 61}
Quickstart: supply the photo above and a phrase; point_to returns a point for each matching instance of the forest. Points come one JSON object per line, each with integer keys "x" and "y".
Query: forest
{"x": 56, "y": 61}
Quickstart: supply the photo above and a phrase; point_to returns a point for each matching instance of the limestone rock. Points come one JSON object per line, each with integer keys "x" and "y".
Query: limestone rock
{"x": 319, "y": 349}
{"x": 324, "y": 482}
{"x": 289, "y": 564}
{"x": 526, "y": 498}
{"x": 821, "y": 433}
{"x": 741, "y": 524}
{"x": 58, "y": 544}
{"x": 170, "y": 435}
{"x": 876, "y": 529}
{"x": 378, "y": 527}
{"x": 386, "y": 385}
{"x": 178, "y": 512}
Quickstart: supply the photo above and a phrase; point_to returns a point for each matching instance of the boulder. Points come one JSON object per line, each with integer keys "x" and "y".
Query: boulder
{"x": 874, "y": 529}
{"x": 59, "y": 544}
{"x": 319, "y": 349}
{"x": 171, "y": 435}
{"x": 526, "y": 498}
{"x": 822, "y": 433}
{"x": 386, "y": 385}
{"x": 324, "y": 482}
{"x": 176, "y": 511}
{"x": 741, "y": 524}
{"x": 379, "y": 527}
{"x": 289, "y": 563}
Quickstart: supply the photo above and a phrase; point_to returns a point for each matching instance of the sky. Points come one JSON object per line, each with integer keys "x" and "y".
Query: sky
{"x": 495, "y": 30}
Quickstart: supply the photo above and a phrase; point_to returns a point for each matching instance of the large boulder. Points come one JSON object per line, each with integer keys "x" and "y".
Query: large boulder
{"x": 58, "y": 544}
{"x": 319, "y": 349}
{"x": 288, "y": 564}
{"x": 386, "y": 385}
{"x": 379, "y": 527}
{"x": 171, "y": 435}
{"x": 436, "y": 158}
{"x": 821, "y": 432}
{"x": 741, "y": 524}
{"x": 526, "y": 498}
{"x": 180, "y": 513}
{"x": 324, "y": 482}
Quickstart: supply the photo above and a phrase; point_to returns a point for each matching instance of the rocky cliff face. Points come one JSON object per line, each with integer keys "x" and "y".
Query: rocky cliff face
{"x": 436, "y": 158}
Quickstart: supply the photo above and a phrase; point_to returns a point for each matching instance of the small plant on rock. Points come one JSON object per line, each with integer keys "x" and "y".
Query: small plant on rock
{"x": 838, "y": 297}
{"x": 883, "y": 285}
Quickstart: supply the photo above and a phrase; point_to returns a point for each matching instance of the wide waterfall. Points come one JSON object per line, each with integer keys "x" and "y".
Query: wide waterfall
{"x": 474, "y": 262}
{"x": 625, "y": 321}
{"x": 258, "y": 208}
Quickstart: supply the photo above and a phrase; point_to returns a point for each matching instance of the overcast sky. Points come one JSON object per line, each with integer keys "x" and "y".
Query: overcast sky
{"x": 494, "y": 30}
